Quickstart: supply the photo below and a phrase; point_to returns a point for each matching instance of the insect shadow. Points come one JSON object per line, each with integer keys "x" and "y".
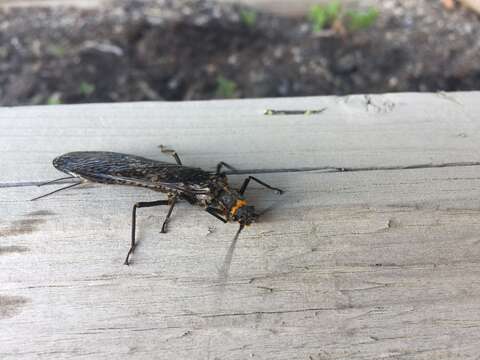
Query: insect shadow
{"x": 209, "y": 190}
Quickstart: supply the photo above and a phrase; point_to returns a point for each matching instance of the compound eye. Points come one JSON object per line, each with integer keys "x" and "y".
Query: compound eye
{"x": 227, "y": 200}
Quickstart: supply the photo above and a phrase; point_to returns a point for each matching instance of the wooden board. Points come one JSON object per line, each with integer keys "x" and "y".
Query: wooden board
{"x": 297, "y": 7}
{"x": 380, "y": 261}
{"x": 50, "y": 3}
{"x": 280, "y": 7}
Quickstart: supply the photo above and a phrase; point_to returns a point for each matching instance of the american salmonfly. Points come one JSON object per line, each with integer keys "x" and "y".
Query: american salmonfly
{"x": 210, "y": 190}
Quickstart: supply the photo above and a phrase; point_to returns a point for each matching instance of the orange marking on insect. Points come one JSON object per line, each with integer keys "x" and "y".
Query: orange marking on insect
{"x": 238, "y": 205}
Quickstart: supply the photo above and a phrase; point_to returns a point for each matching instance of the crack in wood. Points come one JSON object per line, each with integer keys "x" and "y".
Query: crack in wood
{"x": 333, "y": 169}
{"x": 323, "y": 169}
{"x": 268, "y": 312}
{"x": 40, "y": 213}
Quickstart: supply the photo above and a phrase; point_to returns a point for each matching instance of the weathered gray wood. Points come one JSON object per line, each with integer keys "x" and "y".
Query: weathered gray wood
{"x": 365, "y": 264}
{"x": 282, "y": 7}
{"x": 50, "y": 3}
{"x": 297, "y": 7}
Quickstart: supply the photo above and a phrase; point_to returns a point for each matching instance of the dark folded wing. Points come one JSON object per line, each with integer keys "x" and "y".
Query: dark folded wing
{"x": 118, "y": 168}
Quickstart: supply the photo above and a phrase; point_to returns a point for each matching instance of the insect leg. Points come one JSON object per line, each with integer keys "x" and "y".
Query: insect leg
{"x": 215, "y": 212}
{"x": 247, "y": 180}
{"x": 224, "y": 164}
{"x": 171, "y": 152}
{"x": 173, "y": 201}
{"x": 134, "y": 219}
{"x": 53, "y": 192}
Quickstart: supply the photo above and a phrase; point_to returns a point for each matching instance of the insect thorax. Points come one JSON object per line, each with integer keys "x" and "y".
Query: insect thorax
{"x": 225, "y": 199}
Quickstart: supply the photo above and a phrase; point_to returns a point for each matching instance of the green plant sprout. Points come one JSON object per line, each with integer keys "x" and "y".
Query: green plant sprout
{"x": 86, "y": 88}
{"x": 54, "y": 99}
{"x": 358, "y": 20}
{"x": 56, "y": 50}
{"x": 323, "y": 16}
{"x": 225, "y": 88}
{"x": 248, "y": 17}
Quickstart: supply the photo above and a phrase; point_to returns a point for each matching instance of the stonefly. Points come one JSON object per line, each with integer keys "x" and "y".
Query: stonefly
{"x": 210, "y": 190}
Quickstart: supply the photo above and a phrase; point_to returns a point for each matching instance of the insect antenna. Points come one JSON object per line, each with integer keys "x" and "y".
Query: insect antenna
{"x": 52, "y": 181}
{"x": 53, "y": 192}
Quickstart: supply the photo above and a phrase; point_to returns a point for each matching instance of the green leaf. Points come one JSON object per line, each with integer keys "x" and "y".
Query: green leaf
{"x": 333, "y": 10}
{"x": 54, "y": 99}
{"x": 225, "y": 88}
{"x": 322, "y": 16}
{"x": 86, "y": 88}
{"x": 56, "y": 50}
{"x": 358, "y": 20}
{"x": 248, "y": 17}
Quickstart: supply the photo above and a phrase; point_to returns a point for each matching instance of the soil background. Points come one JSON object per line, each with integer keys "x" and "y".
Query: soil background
{"x": 132, "y": 50}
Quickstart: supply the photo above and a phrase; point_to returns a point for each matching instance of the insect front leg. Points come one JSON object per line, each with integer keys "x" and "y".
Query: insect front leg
{"x": 215, "y": 212}
{"x": 134, "y": 220}
{"x": 164, "y": 150}
{"x": 173, "y": 201}
{"x": 247, "y": 181}
{"x": 224, "y": 164}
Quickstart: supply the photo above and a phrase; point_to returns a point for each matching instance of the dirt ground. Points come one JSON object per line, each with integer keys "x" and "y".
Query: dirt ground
{"x": 196, "y": 49}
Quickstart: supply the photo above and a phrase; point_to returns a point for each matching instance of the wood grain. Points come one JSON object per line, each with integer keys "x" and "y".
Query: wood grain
{"x": 377, "y": 262}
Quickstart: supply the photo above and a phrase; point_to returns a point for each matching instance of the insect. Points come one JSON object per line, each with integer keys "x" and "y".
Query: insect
{"x": 209, "y": 190}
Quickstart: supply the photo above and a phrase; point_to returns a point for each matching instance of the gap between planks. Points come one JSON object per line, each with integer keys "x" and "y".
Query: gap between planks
{"x": 321, "y": 169}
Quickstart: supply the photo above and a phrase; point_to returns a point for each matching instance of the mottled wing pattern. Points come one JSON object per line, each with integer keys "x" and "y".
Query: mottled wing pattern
{"x": 118, "y": 168}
